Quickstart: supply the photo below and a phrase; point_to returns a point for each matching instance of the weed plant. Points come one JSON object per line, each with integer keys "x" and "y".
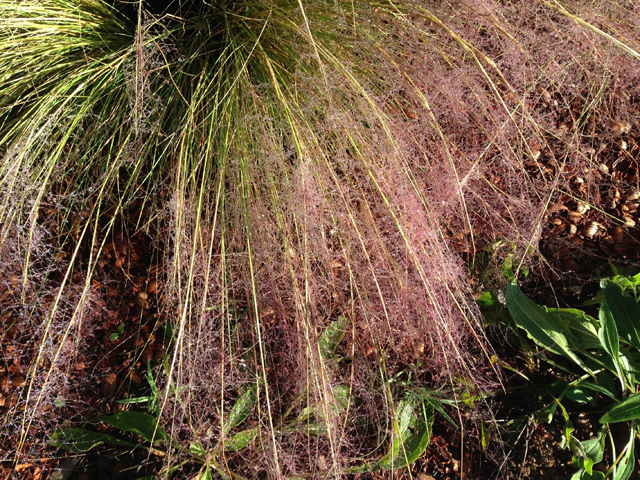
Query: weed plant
{"x": 605, "y": 352}
{"x": 314, "y": 167}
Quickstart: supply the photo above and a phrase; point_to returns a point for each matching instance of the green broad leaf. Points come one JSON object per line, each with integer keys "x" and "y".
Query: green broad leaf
{"x": 307, "y": 412}
{"x": 331, "y": 337}
{"x": 539, "y": 325}
{"x": 414, "y": 442}
{"x": 584, "y": 475}
{"x": 630, "y": 365}
{"x": 338, "y": 404}
{"x": 486, "y": 300}
{"x": 242, "y": 408}
{"x": 138, "y": 422}
{"x": 196, "y": 448}
{"x": 568, "y": 440}
{"x": 575, "y": 446}
{"x": 493, "y": 308}
{"x": 627, "y": 464}
{"x": 557, "y": 389}
{"x": 404, "y": 414}
{"x": 546, "y": 415}
{"x": 625, "y": 311}
{"x": 312, "y": 419}
{"x": 241, "y": 440}
{"x": 594, "y": 451}
{"x": 206, "y": 474}
{"x": 628, "y": 409}
{"x": 470, "y": 399}
{"x": 631, "y": 282}
{"x": 342, "y": 398}
{"x": 115, "y": 335}
{"x": 516, "y": 428}
{"x": 79, "y": 440}
{"x": 606, "y": 380}
{"x": 507, "y": 268}
{"x": 608, "y": 334}
{"x": 581, "y": 329}
{"x": 485, "y": 435}
{"x": 151, "y": 380}
{"x": 412, "y": 446}
{"x": 609, "y": 392}
{"x": 579, "y": 394}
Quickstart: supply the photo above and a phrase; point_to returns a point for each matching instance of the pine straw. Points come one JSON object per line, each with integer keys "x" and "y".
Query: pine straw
{"x": 326, "y": 161}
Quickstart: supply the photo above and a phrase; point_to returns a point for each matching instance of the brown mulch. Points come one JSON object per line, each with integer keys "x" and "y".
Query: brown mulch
{"x": 124, "y": 332}
{"x": 592, "y": 220}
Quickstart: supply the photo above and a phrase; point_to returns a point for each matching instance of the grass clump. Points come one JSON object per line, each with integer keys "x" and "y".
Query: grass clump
{"x": 308, "y": 167}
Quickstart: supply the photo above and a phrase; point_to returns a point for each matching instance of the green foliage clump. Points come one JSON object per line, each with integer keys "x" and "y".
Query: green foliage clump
{"x": 595, "y": 362}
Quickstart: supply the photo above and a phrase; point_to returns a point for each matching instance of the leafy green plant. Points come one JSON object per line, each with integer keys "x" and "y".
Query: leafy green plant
{"x": 411, "y": 436}
{"x": 596, "y": 362}
{"x": 410, "y": 431}
{"x": 116, "y": 335}
{"x": 81, "y": 440}
{"x": 151, "y": 400}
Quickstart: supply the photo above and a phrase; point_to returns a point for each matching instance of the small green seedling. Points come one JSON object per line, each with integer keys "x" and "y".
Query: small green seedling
{"x": 115, "y": 335}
